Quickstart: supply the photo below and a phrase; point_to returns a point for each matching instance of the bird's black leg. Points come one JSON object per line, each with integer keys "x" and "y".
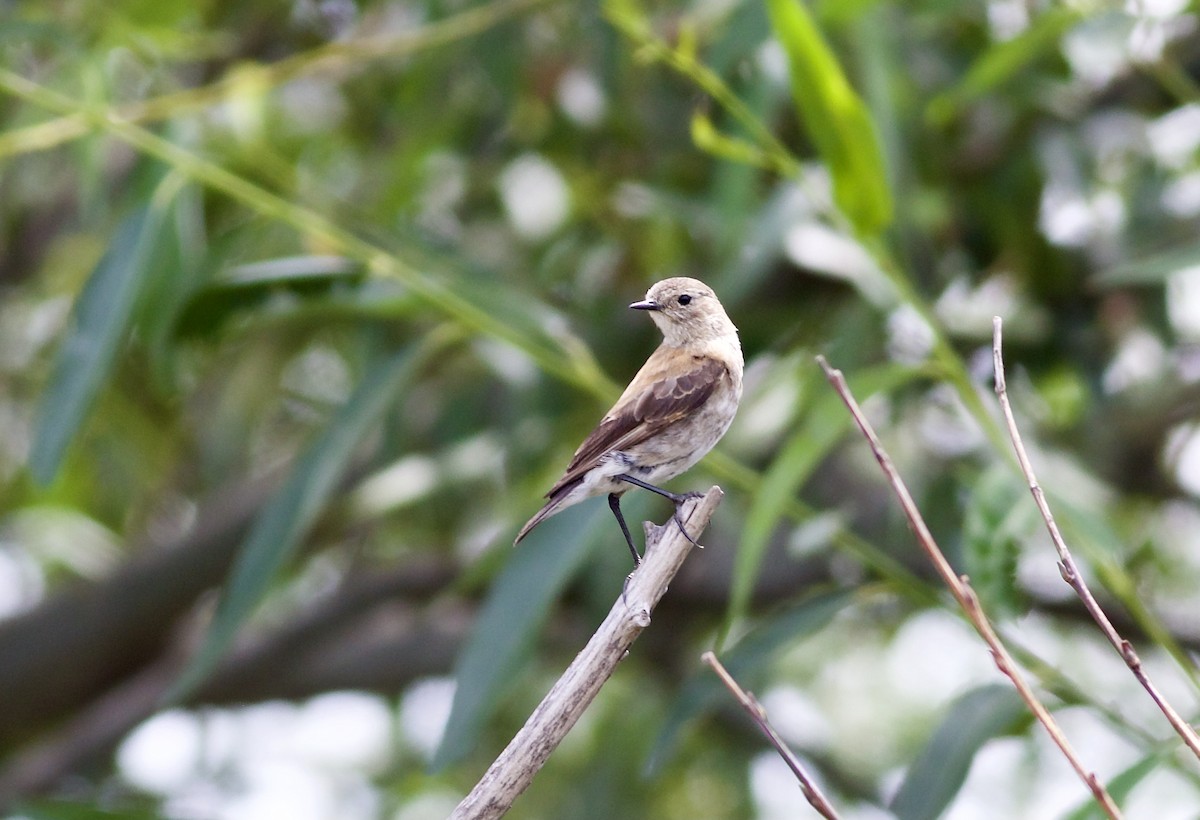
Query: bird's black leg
{"x": 614, "y": 504}
{"x": 675, "y": 498}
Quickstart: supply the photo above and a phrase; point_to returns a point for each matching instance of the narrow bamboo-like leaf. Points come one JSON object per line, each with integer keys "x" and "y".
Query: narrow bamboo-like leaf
{"x": 836, "y": 118}
{"x": 282, "y": 525}
{"x": 1149, "y": 270}
{"x": 517, "y": 604}
{"x": 939, "y": 772}
{"x": 180, "y": 264}
{"x": 707, "y": 138}
{"x": 1004, "y": 60}
{"x": 289, "y": 269}
{"x": 818, "y": 430}
{"x": 703, "y": 692}
{"x": 99, "y": 327}
{"x": 47, "y": 809}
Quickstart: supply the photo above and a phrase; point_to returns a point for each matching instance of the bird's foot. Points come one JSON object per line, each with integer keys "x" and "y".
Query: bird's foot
{"x": 683, "y": 529}
{"x": 679, "y": 498}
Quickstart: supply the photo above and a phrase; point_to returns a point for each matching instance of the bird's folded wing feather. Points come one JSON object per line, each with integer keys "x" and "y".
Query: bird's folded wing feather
{"x": 642, "y": 413}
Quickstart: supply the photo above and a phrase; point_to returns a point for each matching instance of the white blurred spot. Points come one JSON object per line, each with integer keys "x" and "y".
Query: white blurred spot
{"x": 1096, "y": 49}
{"x": 773, "y": 788}
{"x": 815, "y": 534}
{"x": 511, "y": 364}
{"x": 1159, "y": 23}
{"x": 474, "y": 458}
{"x": 320, "y": 374}
{"x": 66, "y": 537}
{"x": 163, "y": 753}
{"x": 581, "y": 97}
{"x": 968, "y": 310}
{"x": 535, "y": 196}
{"x": 1053, "y": 791}
{"x": 1183, "y": 302}
{"x": 1147, "y": 40}
{"x": 797, "y": 718}
{"x": 934, "y": 678}
{"x": 945, "y": 426}
{"x": 910, "y": 338}
{"x": 405, "y": 481}
{"x": 820, "y": 248}
{"x": 1139, "y": 358}
{"x": 445, "y": 186}
{"x": 1007, "y": 18}
{"x": 770, "y": 403}
{"x": 988, "y": 790}
{"x": 1182, "y": 450}
{"x": 1163, "y": 794}
{"x": 1181, "y": 196}
{"x": 27, "y": 327}
{"x": 1175, "y": 136}
{"x": 277, "y": 789}
{"x": 1071, "y": 219}
{"x": 424, "y": 711}
{"x": 633, "y": 200}
{"x": 312, "y": 105}
{"x": 1162, "y": 9}
{"x": 436, "y": 805}
{"x": 772, "y": 61}
{"x": 270, "y": 760}
{"x": 344, "y": 730}
{"x": 22, "y": 582}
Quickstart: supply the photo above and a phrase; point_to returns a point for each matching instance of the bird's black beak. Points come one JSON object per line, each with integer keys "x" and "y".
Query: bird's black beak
{"x": 646, "y": 304}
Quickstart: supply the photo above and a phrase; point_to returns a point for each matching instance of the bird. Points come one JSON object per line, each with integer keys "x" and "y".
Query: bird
{"x": 673, "y": 412}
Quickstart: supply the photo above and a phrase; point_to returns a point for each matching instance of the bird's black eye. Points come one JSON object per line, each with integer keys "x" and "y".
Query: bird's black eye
{"x": 685, "y": 299}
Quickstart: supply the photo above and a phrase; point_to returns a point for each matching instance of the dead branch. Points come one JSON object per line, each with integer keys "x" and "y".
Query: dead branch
{"x": 812, "y": 793}
{"x": 1066, "y": 562}
{"x": 515, "y": 768}
{"x": 961, "y": 589}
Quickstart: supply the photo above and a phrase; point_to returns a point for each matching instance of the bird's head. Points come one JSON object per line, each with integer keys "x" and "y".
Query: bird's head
{"x": 687, "y": 312}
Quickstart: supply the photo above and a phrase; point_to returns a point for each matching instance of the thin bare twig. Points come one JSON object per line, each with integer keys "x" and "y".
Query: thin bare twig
{"x": 513, "y": 771}
{"x": 1066, "y": 562}
{"x": 960, "y": 587}
{"x": 758, "y": 714}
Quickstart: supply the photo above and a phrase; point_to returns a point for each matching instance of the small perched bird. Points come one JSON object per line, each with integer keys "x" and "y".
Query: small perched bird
{"x": 673, "y": 412}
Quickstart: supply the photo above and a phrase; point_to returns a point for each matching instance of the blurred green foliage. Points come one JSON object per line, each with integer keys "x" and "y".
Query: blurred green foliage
{"x": 332, "y": 289}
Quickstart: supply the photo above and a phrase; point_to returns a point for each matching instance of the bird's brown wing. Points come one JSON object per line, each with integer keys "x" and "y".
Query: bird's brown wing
{"x": 643, "y": 413}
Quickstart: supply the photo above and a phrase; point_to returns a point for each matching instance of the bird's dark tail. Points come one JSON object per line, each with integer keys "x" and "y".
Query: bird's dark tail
{"x": 554, "y": 505}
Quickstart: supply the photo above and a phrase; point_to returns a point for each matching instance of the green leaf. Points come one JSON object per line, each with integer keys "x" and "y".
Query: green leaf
{"x": 68, "y": 810}
{"x": 100, "y": 325}
{"x": 288, "y": 270}
{"x": 999, "y": 515}
{"x": 817, "y": 431}
{"x": 937, "y": 775}
{"x": 285, "y": 521}
{"x": 836, "y": 118}
{"x": 704, "y": 691}
{"x": 181, "y": 264}
{"x": 1001, "y": 62}
{"x": 707, "y": 138}
{"x": 517, "y": 604}
{"x": 1150, "y": 270}
{"x": 247, "y": 288}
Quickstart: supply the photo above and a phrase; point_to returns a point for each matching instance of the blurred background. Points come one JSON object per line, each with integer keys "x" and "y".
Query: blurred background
{"x": 304, "y": 305}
